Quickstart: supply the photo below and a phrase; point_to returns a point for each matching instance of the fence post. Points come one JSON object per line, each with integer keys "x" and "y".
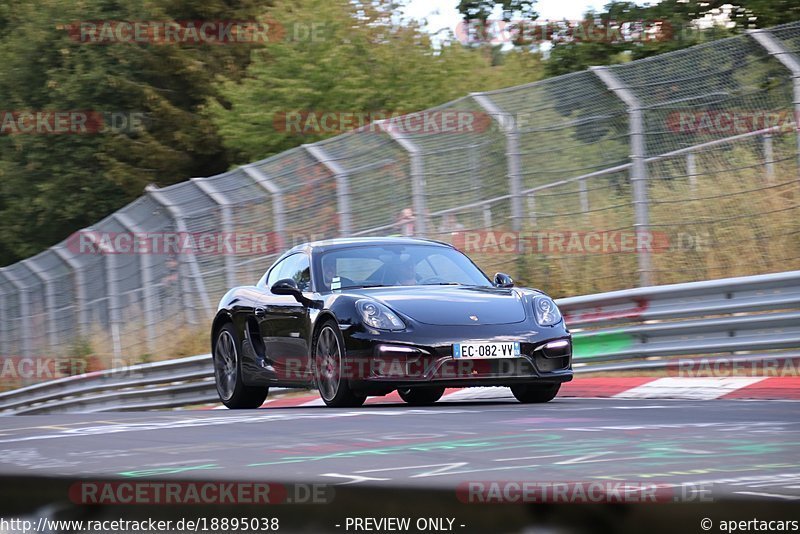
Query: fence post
{"x": 148, "y": 284}
{"x": 638, "y": 164}
{"x": 509, "y": 126}
{"x": 3, "y": 341}
{"x": 49, "y": 298}
{"x": 342, "y": 186}
{"x": 189, "y": 262}
{"x": 24, "y": 312}
{"x": 584, "y": 198}
{"x": 769, "y": 157}
{"x": 222, "y": 201}
{"x": 417, "y": 177}
{"x": 691, "y": 171}
{"x": 79, "y": 282}
{"x": 532, "y": 208}
{"x": 276, "y": 193}
{"x": 113, "y": 303}
{"x": 777, "y": 50}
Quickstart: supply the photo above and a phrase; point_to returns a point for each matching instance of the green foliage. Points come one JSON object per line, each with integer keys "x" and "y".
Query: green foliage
{"x": 372, "y": 66}
{"x": 206, "y": 108}
{"x": 52, "y": 185}
{"x": 482, "y": 9}
{"x": 677, "y": 29}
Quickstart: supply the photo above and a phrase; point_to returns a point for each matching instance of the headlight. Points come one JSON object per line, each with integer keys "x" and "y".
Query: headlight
{"x": 378, "y": 316}
{"x": 546, "y": 311}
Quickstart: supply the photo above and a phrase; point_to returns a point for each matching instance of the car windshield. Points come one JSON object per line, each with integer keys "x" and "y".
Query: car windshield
{"x": 396, "y": 265}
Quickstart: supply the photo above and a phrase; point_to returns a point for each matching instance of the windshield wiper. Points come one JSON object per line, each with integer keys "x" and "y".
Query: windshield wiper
{"x": 444, "y": 284}
{"x": 364, "y": 286}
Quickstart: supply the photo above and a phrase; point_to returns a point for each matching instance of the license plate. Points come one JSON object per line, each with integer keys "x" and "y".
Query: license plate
{"x": 486, "y": 350}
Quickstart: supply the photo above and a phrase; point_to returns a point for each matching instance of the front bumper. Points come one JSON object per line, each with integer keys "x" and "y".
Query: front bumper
{"x": 400, "y": 361}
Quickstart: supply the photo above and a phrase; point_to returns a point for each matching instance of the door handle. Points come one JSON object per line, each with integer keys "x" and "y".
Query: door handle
{"x": 260, "y": 311}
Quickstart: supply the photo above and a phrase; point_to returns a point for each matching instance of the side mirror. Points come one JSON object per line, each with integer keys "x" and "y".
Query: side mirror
{"x": 286, "y": 286}
{"x": 503, "y": 280}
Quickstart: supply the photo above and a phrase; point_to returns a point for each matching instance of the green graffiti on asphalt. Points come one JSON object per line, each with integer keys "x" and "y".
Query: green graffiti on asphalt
{"x": 492, "y": 444}
{"x": 653, "y": 451}
{"x": 167, "y": 470}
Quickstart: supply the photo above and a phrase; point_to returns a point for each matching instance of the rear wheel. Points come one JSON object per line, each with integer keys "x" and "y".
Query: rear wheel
{"x": 421, "y": 396}
{"x": 329, "y": 355}
{"x": 228, "y": 373}
{"x": 532, "y": 393}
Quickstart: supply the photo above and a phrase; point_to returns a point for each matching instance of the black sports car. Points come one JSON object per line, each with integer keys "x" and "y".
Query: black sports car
{"x": 362, "y": 317}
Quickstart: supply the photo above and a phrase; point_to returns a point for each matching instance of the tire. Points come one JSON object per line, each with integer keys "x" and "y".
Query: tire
{"x": 535, "y": 393}
{"x": 328, "y": 353}
{"x": 228, "y": 373}
{"x": 424, "y": 396}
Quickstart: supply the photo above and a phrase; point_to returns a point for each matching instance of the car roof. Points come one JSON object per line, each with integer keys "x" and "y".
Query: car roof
{"x": 344, "y": 242}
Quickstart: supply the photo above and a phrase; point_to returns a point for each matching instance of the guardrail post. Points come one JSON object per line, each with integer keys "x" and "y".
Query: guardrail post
{"x": 24, "y": 312}
{"x": 49, "y": 298}
{"x": 79, "y": 282}
{"x": 276, "y": 193}
{"x": 211, "y": 192}
{"x": 638, "y": 164}
{"x": 509, "y": 127}
{"x": 342, "y": 186}
{"x": 417, "y": 177}
{"x": 146, "y": 267}
{"x": 777, "y": 50}
{"x": 187, "y": 261}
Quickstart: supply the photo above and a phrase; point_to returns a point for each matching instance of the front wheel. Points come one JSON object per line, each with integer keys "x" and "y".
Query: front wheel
{"x": 424, "y": 396}
{"x": 329, "y": 355}
{"x": 535, "y": 393}
{"x": 228, "y": 373}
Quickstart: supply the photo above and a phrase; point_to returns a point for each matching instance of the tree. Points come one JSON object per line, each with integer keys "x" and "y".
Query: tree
{"x": 483, "y": 9}
{"x": 52, "y": 185}
{"x": 354, "y": 60}
{"x": 674, "y": 27}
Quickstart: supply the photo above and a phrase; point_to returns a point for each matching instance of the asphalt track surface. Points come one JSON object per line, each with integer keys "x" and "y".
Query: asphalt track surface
{"x": 726, "y": 448}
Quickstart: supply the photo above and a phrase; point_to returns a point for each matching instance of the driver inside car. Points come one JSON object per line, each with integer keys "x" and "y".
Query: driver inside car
{"x": 404, "y": 274}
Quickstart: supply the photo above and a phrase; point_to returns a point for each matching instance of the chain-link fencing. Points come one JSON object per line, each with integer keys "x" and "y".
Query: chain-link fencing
{"x": 676, "y": 168}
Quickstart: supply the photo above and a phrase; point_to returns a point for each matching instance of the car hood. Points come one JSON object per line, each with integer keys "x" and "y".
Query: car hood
{"x": 453, "y": 305}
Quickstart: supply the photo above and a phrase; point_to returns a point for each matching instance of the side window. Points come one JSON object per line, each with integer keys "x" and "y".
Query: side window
{"x": 275, "y": 273}
{"x": 297, "y": 268}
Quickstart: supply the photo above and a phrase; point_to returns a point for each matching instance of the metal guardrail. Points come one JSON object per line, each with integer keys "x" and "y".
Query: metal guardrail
{"x": 745, "y": 314}
{"x": 733, "y": 319}
{"x": 180, "y": 382}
